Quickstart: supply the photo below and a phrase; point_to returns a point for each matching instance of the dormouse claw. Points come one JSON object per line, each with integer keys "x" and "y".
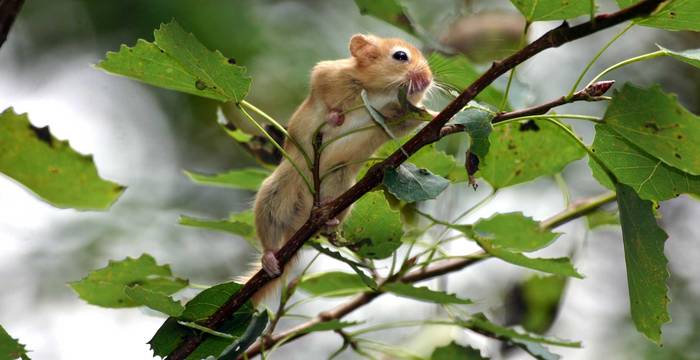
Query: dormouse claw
{"x": 270, "y": 264}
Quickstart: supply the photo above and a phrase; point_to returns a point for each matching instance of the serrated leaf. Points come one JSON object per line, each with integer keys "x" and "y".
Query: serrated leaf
{"x": 106, "y": 287}
{"x": 390, "y": 11}
{"x": 255, "y": 329}
{"x": 691, "y": 57}
{"x": 537, "y": 350}
{"x": 650, "y": 177}
{"x": 329, "y": 325}
{"x": 423, "y": 294}
{"x": 514, "y": 231}
{"x": 673, "y": 15}
{"x": 178, "y": 61}
{"x": 558, "y": 266}
{"x": 241, "y": 224}
{"x": 481, "y": 324}
{"x": 334, "y": 283}
{"x": 456, "y": 72}
{"x": 354, "y": 265}
{"x": 454, "y": 351}
{"x": 247, "y": 179}
{"x": 600, "y": 218}
{"x": 373, "y": 227}
{"x": 538, "y": 10}
{"x": 541, "y": 297}
{"x": 647, "y": 274}
{"x": 171, "y": 333}
{"x": 154, "y": 300}
{"x": 428, "y": 157}
{"x": 657, "y": 123}
{"x": 50, "y": 168}
{"x": 523, "y": 152}
{"x": 10, "y": 348}
{"x": 411, "y": 184}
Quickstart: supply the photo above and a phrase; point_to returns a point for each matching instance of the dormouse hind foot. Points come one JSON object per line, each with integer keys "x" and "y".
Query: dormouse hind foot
{"x": 335, "y": 117}
{"x": 270, "y": 264}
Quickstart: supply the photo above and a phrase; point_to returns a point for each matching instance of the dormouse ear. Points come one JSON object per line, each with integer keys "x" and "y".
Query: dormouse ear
{"x": 362, "y": 46}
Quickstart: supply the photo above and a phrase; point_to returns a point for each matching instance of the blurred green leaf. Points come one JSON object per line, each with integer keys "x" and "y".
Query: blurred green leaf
{"x": 537, "y": 350}
{"x": 356, "y": 266}
{"x": 252, "y": 333}
{"x": 105, "y": 287}
{"x": 373, "y": 227}
{"x": 650, "y": 177}
{"x": 538, "y": 10}
{"x": 691, "y": 57}
{"x": 456, "y": 72}
{"x": 178, "y": 61}
{"x": 329, "y": 325}
{"x": 332, "y": 283}
{"x": 454, "y": 351}
{"x": 171, "y": 333}
{"x": 647, "y": 274}
{"x": 390, "y": 11}
{"x": 558, "y": 266}
{"x": 479, "y": 323}
{"x": 477, "y": 124}
{"x": 657, "y": 123}
{"x": 241, "y": 224}
{"x": 50, "y": 168}
{"x": 673, "y": 15}
{"x": 428, "y": 157}
{"x": 514, "y": 231}
{"x": 423, "y": 294}
{"x": 248, "y": 178}
{"x": 154, "y": 300}
{"x": 541, "y": 296}
{"x": 10, "y": 348}
{"x": 526, "y": 151}
{"x": 411, "y": 184}
{"x": 600, "y": 218}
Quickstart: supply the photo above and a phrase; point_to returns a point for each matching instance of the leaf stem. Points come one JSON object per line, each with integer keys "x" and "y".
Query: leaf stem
{"x": 551, "y": 116}
{"x": 635, "y": 59}
{"x": 523, "y": 39}
{"x": 205, "y": 329}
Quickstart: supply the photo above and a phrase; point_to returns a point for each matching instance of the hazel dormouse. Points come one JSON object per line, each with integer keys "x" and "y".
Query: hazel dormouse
{"x": 380, "y": 66}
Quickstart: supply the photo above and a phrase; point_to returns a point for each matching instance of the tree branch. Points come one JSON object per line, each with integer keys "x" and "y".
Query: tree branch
{"x": 576, "y": 210}
{"x": 9, "y": 9}
{"x": 427, "y": 135}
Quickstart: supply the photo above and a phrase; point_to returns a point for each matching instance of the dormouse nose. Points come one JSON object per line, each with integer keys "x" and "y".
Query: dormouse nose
{"x": 419, "y": 79}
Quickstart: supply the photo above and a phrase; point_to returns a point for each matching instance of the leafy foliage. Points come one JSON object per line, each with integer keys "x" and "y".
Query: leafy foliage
{"x": 157, "y": 301}
{"x": 333, "y": 283}
{"x": 481, "y": 324}
{"x": 411, "y": 184}
{"x": 646, "y": 264}
{"x": 329, "y": 325}
{"x": 247, "y": 179}
{"x": 541, "y": 297}
{"x": 238, "y": 224}
{"x": 457, "y": 73}
{"x": 514, "y": 231}
{"x": 177, "y": 60}
{"x": 423, "y": 294}
{"x": 390, "y": 11}
{"x": 558, "y": 266}
{"x": 537, "y": 10}
{"x": 50, "y": 168}
{"x": 601, "y": 218}
{"x": 691, "y": 57}
{"x": 673, "y": 15}
{"x": 373, "y": 227}
{"x": 106, "y": 287}
{"x": 657, "y": 123}
{"x": 255, "y": 329}
{"x": 10, "y": 348}
{"x": 455, "y": 351}
{"x": 522, "y": 153}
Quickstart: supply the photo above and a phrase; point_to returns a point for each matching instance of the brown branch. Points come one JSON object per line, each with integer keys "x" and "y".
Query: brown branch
{"x": 576, "y": 210}
{"x": 427, "y": 135}
{"x": 9, "y": 9}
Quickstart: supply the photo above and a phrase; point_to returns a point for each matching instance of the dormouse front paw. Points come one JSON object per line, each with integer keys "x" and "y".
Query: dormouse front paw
{"x": 335, "y": 117}
{"x": 270, "y": 264}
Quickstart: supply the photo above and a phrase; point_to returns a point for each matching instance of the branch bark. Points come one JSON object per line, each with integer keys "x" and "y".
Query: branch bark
{"x": 9, "y": 9}
{"x": 427, "y": 135}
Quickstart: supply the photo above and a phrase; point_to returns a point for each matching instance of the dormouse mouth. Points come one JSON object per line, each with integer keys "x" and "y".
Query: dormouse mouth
{"x": 418, "y": 82}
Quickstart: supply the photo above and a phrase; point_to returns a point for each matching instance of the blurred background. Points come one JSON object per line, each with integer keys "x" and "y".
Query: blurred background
{"x": 144, "y": 137}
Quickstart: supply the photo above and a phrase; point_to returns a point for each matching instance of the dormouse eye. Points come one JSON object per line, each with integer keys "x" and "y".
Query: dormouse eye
{"x": 400, "y": 56}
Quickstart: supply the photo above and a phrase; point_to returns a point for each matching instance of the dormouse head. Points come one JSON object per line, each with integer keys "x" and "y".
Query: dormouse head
{"x": 390, "y": 63}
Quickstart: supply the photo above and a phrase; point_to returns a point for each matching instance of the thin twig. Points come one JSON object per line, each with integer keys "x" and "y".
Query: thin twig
{"x": 427, "y": 135}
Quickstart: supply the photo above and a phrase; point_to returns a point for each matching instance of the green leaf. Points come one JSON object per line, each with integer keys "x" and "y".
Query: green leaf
{"x": 479, "y": 323}
{"x": 650, "y": 177}
{"x": 10, "y": 348}
{"x": 523, "y": 152}
{"x": 390, "y": 11}
{"x": 558, "y": 266}
{"x": 411, "y": 184}
{"x": 514, "y": 231}
{"x": 477, "y": 124}
{"x": 537, "y": 350}
{"x": 373, "y": 227}
{"x": 657, "y": 123}
{"x": 423, "y": 294}
{"x": 241, "y": 224}
{"x": 600, "y": 218}
{"x": 252, "y": 333}
{"x": 154, "y": 300}
{"x": 332, "y": 283}
{"x": 247, "y": 179}
{"x": 538, "y": 10}
{"x": 454, "y": 351}
{"x": 50, "y": 168}
{"x": 329, "y": 325}
{"x": 178, "y": 61}
{"x": 646, "y": 264}
{"x": 673, "y": 15}
{"x": 106, "y": 287}
{"x": 356, "y": 266}
{"x": 456, "y": 72}
{"x": 691, "y": 57}
{"x": 171, "y": 333}
{"x": 541, "y": 296}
